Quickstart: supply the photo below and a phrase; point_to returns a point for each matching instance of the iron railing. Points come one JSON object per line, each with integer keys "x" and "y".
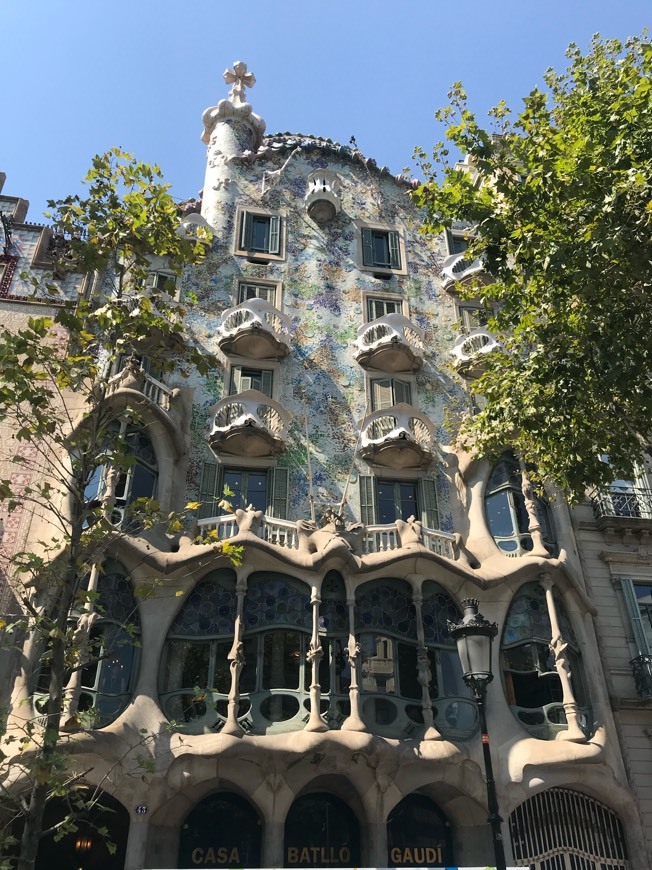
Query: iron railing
{"x": 642, "y": 670}
{"x": 628, "y": 502}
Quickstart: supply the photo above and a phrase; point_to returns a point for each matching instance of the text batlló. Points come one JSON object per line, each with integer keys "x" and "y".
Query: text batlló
{"x": 426, "y": 855}
{"x": 314, "y": 855}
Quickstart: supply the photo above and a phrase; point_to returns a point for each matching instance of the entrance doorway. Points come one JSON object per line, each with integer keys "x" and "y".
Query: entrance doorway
{"x": 223, "y": 830}
{"x": 321, "y": 831}
{"x": 418, "y": 834}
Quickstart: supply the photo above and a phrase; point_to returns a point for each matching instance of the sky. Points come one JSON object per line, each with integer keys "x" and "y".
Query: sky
{"x": 81, "y": 76}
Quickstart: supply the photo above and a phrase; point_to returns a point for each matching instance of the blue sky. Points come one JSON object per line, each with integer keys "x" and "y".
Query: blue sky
{"x": 80, "y": 76}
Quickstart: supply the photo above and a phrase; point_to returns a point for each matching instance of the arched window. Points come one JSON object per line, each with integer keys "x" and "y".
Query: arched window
{"x": 565, "y": 829}
{"x": 532, "y": 685}
{"x": 139, "y": 480}
{"x": 455, "y": 713}
{"x": 195, "y": 678}
{"x": 334, "y": 670}
{"x": 418, "y": 834}
{"x": 277, "y": 624}
{"x": 506, "y": 513}
{"x": 108, "y": 678}
{"x": 321, "y": 831}
{"x": 223, "y": 830}
{"x": 385, "y": 624}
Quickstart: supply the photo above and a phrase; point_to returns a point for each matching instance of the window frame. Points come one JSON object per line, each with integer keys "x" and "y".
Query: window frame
{"x": 405, "y": 379}
{"x": 426, "y": 499}
{"x": 275, "y": 288}
{"x": 642, "y": 643}
{"x": 382, "y": 269}
{"x": 456, "y": 235}
{"x": 243, "y": 215}
{"x": 368, "y": 300}
{"x": 211, "y": 488}
{"x": 239, "y": 367}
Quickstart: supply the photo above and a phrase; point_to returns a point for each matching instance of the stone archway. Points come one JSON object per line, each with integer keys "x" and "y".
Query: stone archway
{"x": 321, "y": 830}
{"x": 418, "y": 834}
{"x": 223, "y": 830}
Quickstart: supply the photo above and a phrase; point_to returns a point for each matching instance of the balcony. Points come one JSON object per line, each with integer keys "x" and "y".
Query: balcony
{"x": 132, "y": 376}
{"x": 471, "y": 350}
{"x": 323, "y": 197}
{"x": 249, "y": 424}
{"x": 642, "y": 670}
{"x": 375, "y": 539}
{"x": 256, "y": 330}
{"x": 397, "y": 437}
{"x": 458, "y": 269}
{"x": 623, "y": 508}
{"x": 390, "y": 344}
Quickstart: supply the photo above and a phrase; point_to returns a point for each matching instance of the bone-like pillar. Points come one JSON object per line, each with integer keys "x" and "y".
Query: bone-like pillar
{"x": 315, "y": 654}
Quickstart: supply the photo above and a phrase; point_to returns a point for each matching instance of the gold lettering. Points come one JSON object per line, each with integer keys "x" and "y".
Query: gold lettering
{"x": 345, "y": 856}
{"x": 197, "y": 856}
{"x": 210, "y": 855}
{"x": 304, "y": 858}
{"x": 395, "y": 855}
{"x": 293, "y": 854}
{"x": 234, "y": 857}
{"x": 418, "y": 856}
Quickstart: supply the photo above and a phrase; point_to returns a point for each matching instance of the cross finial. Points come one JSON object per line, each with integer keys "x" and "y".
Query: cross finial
{"x": 240, "y": 79}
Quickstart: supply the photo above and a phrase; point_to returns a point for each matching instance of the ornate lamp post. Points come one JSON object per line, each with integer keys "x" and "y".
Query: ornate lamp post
{"x": 473, "y": 636}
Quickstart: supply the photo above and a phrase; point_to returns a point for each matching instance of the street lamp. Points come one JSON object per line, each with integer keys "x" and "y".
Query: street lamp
{"x": 473, "y": 636}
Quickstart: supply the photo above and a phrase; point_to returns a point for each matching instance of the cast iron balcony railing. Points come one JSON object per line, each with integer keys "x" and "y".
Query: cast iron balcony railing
{"x": 471, "y": 349}
{"x": 642, "y": 670}
{"x": 254, "y": 329}
{"x": 397, "y": 437}
{"x": 249, "y": 424}
{"x": 623, "y": 507}
{"x": 458, "y": 268}
{"x": 390, "y": 344}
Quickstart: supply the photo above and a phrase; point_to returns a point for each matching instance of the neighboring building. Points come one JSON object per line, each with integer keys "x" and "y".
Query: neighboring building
{"x": 308, "y": 705}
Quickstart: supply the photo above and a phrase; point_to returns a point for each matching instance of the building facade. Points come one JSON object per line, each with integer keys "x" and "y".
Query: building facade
{"x": 307, "y": 706}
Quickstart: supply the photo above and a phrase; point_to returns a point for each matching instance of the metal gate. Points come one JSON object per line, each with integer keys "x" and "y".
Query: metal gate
{"x": 561, "y": 829}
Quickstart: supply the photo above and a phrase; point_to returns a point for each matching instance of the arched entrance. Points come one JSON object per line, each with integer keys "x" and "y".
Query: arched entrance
{"x": 418, "y": 834}
{"x": 321, "y": 831}
{"x": 223, "y": 830}
{"x": 85, "y": 848}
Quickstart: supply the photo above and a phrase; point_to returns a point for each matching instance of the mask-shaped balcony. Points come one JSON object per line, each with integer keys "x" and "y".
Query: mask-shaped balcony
{"x": 254, "y": 329}
{"x": 323, "y": 197}
{"x": 249, "y": 424}
{"x": 457, "y": 269}
{"x": 390, "y": 344}
{"x": 471, "y": 350}
{"x": 397, "y": 437}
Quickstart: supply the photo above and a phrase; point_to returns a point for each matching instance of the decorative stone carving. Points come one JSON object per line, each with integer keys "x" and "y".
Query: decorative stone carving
{"x": 409, "y": 532}
{"x": 235, "y": 107}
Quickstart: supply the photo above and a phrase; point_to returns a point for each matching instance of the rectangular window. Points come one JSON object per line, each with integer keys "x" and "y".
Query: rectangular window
{"x": 638, "y": 597}
{"x": 256, "y": 291}
{"x": 244, "y": 378}
{"x": 381, "y": 249}
{"x": 386, "y": 392}
{"x": 162, "y": 281}
{"x": 266, "y": 489}
{"x": 380, "y": 307}
{"x": 260, "y": 234}
{"x": 457, "y": 242}
{"x": 472, "y": 316}
{"x": 385, "y": 501}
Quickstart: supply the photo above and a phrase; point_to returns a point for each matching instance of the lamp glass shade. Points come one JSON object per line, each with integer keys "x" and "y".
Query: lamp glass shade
{"x": 475, "y": 654}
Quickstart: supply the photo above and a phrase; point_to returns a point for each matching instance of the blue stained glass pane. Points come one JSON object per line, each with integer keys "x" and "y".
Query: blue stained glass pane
{"x": 210, "y": 609}
{"x": 437, "y": 609}
{"x": 387, "y": 607}
{"x": 274, "y": 599}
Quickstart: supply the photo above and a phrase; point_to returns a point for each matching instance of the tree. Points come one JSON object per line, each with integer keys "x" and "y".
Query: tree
{"x": 558, "y": 203}
{"x": 57, "y": 384}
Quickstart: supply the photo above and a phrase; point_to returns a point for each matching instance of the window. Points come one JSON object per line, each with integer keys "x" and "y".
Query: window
{"x": 163, "y": 282}
{"x": 457, "y": 242}
{"x": 385, "y": 501}
{"x": 532, "y": 684}
{"x": 638, "y": 598}
{"x": 386, "y": 392}
{"x": 139, "y": 480}
{"x": 381, "y": 249}
{"x": 266, "y": 489}
{"x": 247, "y": 290}
{"x": 506, "y": 513}
{"x": 380, "y": 307}
{"x": 472, "y": 316}
{"x": 244, "y": 378}
{"x": 260, "y": 234}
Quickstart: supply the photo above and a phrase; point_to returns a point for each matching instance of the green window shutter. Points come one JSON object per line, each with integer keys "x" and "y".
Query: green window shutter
{"x": 381, "y": 394}
{"x": 640, "y": 639}
{"x": 210, "y": 490}
{"x": 266, "y": 381}
{"x": 247, "y": 231}
{"x": 236, "y": 378}
{"x": 394, "y": 250}
{"x": 375, "y": 309}
{"x": 428, "y": 499}
{"x": 367, "y": 500}
{"x": 275, "y": 234}
{"x": 402, "y": 392}
{"x": 367, "y": 248}
{"x": 277, "y": 493}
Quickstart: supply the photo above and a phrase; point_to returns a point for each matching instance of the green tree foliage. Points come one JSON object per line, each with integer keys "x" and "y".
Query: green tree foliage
{"x": 57, "y": 393}
{"x": 558, "y": 201}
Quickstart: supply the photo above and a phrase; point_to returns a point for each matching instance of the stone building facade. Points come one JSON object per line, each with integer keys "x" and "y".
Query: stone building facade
{"x": 308, "y": 705}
